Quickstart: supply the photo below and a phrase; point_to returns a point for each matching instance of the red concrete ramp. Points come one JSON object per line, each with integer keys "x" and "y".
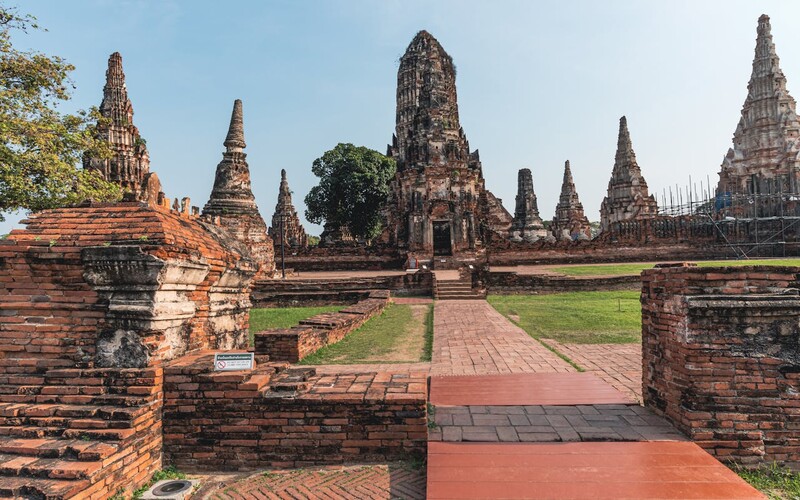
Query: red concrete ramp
{"x": 580, "y": 470}
{"x": 524, "y": 389}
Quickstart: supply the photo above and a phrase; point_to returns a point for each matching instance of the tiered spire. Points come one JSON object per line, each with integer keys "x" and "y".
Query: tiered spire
{"x": 764, "y": 157}
{"x": 129, "y": 165}
{"x": 232, "y": 204}
{"x": 232, "y": 194}
{"x": 569, "y": 221}
{"x": 527, "y": 223}
{"x": 628, "y": 197}
{"x": 285, "y": 216}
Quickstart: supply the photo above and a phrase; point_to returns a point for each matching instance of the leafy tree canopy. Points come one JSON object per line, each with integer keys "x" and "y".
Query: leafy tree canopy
{"x": 353, "y": 189}
{"x": 40, "y": 148}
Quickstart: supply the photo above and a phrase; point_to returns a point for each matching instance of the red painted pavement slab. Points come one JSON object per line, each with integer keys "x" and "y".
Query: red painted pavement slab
{"x": 524, "y": 389}
{"x": 640, "y": 470}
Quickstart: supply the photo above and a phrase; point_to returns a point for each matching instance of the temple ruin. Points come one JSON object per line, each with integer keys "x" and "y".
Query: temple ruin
{"x": 440, "y": 206}
{"x": 527, "y": 224}
{"x": 232, "y": 204}
{"x": 129, "y": 164}
{"x": 628, "y": 197}
{"x": 765, "y": 157}
{"x": 286, "y": 228}
{"x": 569, "y": 222}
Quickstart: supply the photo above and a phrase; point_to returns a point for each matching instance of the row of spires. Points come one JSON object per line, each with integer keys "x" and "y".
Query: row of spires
{"x": 231, "y": 195}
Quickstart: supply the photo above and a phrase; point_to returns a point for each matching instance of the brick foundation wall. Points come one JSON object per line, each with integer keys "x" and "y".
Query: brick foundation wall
{"x": 515, "y": 283}
{"x": 721, "y": 358}
{"x": 293, "y": 344}
{"x": 340, "y": 257}
{"x": 240, "y": 421}
{"x": 507, "y": 253}
{"x": 315, "y": 291}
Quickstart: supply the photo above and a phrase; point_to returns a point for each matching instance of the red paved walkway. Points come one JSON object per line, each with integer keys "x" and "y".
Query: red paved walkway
{"x": 472, "y": 338}
{"x": 580, "y": 470}
{"x": 524, "y": 389}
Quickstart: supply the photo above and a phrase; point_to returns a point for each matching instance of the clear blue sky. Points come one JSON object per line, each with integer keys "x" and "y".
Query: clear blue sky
{"x": 539, "y": 82}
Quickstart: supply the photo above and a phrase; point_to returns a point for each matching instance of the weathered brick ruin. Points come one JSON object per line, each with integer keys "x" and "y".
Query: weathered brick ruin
{"x": 439, "y": 202}
{"x": 720, "y": 357}
{"x": 286, "y": 228}
{"x": 628, "y": 197}
{"x": 569, "y": 222}
{"x": 765, "y": 158}
{"x": 232, "y": 204}
{"x": 94, "y": 301}
{"x": 527, "y": 224}
{"x": 129, "y": 165}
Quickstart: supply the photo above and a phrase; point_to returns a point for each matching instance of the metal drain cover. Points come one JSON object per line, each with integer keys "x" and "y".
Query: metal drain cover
{"x": 172, "y": 489}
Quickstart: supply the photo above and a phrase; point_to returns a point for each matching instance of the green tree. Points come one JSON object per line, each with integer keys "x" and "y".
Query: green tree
{"x": 41, "y": 148}
{"x": 352, "y": 191}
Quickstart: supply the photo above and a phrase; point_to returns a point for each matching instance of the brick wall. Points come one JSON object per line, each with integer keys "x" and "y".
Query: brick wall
{"x": 293, "y": 344}
{"x": 511, "y": 283}
{"x": 274, "y": 417}
{"x": 314, "y": 291}
{"x": 721, "y": 358}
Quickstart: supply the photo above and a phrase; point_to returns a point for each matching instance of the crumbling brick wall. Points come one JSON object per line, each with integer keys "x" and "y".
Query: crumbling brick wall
{"x": 92, "y": 301}
{"x": 721, "y": 358}
{"x": 235, "y": 421}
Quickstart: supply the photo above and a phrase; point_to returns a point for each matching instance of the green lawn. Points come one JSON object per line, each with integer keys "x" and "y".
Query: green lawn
{"x": 774, "y": 481}
{"x": 283, "y": 317}
{"x": 403, "y": 333}
{"x": 578, "y": 317}
{"x": 638, "y": 267}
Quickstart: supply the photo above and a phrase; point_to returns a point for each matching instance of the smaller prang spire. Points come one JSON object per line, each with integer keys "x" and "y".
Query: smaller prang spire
{"x": 627, "y": 196}
{"x": 116, "y": 105}
{"x": 285, "y": 217}
{"x": 234, "y": 141}
{"x": 232, "y": 193}
{"x": 569, "y": 221}
{"x": 625, "y": 156}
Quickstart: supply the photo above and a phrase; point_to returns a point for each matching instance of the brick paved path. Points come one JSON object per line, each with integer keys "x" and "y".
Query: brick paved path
{"x": 550, "y": 424}
{"x": 618, "y": 364}
{"x": 392, "y": 481}
{"x": 472, "y": 338}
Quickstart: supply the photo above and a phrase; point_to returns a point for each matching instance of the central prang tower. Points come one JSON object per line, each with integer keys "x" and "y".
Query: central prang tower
{"x": 439, "y": 208}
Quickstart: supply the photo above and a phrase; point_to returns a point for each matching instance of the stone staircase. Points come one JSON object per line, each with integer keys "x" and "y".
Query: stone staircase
{"x": 78, "y": 433}
{"x": 456, "y": 289}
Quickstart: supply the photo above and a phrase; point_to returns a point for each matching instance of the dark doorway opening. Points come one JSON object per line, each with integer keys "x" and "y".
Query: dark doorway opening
{"x": 441, "y": 238}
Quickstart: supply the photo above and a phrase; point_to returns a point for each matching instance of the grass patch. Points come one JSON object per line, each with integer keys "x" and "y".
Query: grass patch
{"x": 283, "y": 317}
{"x": 638, "y": 267}
{"x": 395, "y": 336}
{"x": 607, "y": 317}
{"x": 773, "y": 480}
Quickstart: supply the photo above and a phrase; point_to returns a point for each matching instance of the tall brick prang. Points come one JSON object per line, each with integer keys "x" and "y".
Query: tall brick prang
{"x": 129, "y": 165}
{"x": 439, "y": 203}
{"x": 232, "y": 204}
{"x": 764, "y": 157}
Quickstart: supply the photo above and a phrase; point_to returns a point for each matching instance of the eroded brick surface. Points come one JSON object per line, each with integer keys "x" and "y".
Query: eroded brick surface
{"x": 363, "y": 482}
